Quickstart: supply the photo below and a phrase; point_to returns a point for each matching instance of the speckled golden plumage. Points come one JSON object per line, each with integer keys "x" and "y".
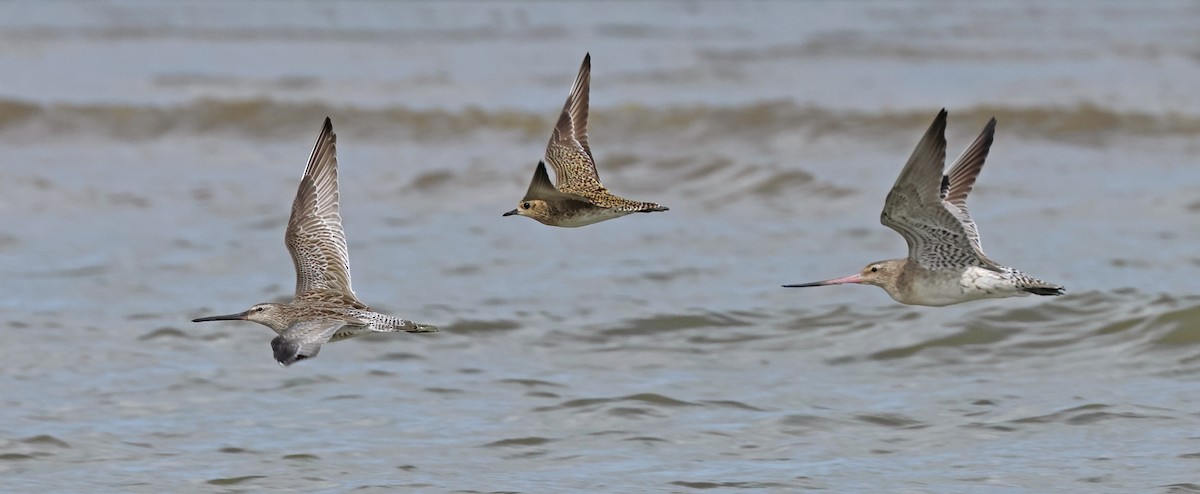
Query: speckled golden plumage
{"x": 577, "y": 198}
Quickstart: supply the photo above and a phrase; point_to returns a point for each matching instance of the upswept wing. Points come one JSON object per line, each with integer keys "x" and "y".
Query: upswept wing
{"x": 314, "y": 234}
{"x": 934, "y": 229}
{"x": 541, "y": 188}
{"x": 568, "y": 151}
{"x": 959, "y": 181}
{"x": 961, "y": 177}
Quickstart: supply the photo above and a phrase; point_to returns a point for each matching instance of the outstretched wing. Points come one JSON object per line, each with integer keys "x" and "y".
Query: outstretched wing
{"x": 314, "y": 234}
{"x": 936, "y": 235}
{"x": 959, "y": 181}
{"x": 303, "y": 340}
{"x": 541, "y": 188}
{"x": 568, "y": 151}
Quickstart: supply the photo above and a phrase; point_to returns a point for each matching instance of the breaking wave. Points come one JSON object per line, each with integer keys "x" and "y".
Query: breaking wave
{"x": 268, "y": 118}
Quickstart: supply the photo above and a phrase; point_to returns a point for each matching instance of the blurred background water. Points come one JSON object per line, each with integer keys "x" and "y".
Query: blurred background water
{"x": 151, "y": 152}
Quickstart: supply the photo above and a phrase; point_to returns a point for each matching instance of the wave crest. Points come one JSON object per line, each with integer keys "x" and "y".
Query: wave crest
{"x": 269, "y": 118}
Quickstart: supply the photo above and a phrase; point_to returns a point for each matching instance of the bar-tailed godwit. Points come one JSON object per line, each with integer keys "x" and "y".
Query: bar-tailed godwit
{"x": 578, "y": 198}
{"x": 945, "y": 264}
{"x": 324, "y": 307}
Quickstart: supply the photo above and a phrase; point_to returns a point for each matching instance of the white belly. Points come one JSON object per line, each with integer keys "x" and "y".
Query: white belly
{"x": 590, "y": 216}
{"x": 940, "y": 288}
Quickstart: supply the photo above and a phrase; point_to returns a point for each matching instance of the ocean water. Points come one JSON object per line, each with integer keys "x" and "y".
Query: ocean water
{"x": 151, "y": 152}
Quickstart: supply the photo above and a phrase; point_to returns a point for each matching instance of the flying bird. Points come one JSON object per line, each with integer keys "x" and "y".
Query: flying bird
{"x": 324, "y": 308}
{"x": 578, "y": 198}
{"x": 945, "y": 264}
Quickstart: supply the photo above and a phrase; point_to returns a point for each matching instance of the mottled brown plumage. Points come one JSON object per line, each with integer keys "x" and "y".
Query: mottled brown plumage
{"x": 324, "y": 308}
{"x": 577, "y": 198}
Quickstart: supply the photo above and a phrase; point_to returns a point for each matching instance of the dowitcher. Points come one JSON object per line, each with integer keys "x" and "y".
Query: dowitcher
{"x": 578, "y": 198}
{"x": 946, "y": 264}
{"x": 324, "y": 307}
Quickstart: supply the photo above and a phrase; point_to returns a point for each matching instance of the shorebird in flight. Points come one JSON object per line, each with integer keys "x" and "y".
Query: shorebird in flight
{"x": 578, "y": 198}
{"x": 324, "y": 308}
{"x": 945, "y": 264}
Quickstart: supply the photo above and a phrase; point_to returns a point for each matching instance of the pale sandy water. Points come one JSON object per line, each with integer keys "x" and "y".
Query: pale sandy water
{"x": 151, "y": 151}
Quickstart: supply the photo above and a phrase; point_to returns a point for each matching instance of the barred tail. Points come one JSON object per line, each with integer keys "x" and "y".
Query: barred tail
{"x": 1046, "y": 289}
{"x": 1033, "y": 285}
{"x": 1039, "y": 287}
{"x": 422, "y": 328}
{"x": 395, "y": 324}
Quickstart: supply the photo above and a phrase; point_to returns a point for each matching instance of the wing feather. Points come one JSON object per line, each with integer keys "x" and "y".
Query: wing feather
{"x": 938, "y": 233}
{"x": 961, "y": 179}
{"x": 568, "y": 152}
{"x": 303, "y": 340}
{"x": 314, "y": 234}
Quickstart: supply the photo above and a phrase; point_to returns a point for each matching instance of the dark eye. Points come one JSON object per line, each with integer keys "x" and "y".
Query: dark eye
{"x": 258, "y": 309}
{"x": 874, "y": 269}
{"x": 525, "y": 205}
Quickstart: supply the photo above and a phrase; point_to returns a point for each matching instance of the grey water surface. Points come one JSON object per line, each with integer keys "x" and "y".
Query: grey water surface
{"x": 150, "y": 152}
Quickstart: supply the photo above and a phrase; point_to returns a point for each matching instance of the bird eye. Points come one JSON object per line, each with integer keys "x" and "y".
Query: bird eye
{"x": 874, "y": 269}
{"x": 258, "y": 309}
{"x": 525, "y": 205}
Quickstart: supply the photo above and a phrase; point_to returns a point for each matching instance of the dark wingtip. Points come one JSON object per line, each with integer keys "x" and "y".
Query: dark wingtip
{"x": 937, "y": 129}
{"x": 540, "y": 183}
{"x": 586, "y": 65}
{"x": 286, "y": 352}
{"x": 989, "y": 131}
{"x": 1046, "y": 290}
